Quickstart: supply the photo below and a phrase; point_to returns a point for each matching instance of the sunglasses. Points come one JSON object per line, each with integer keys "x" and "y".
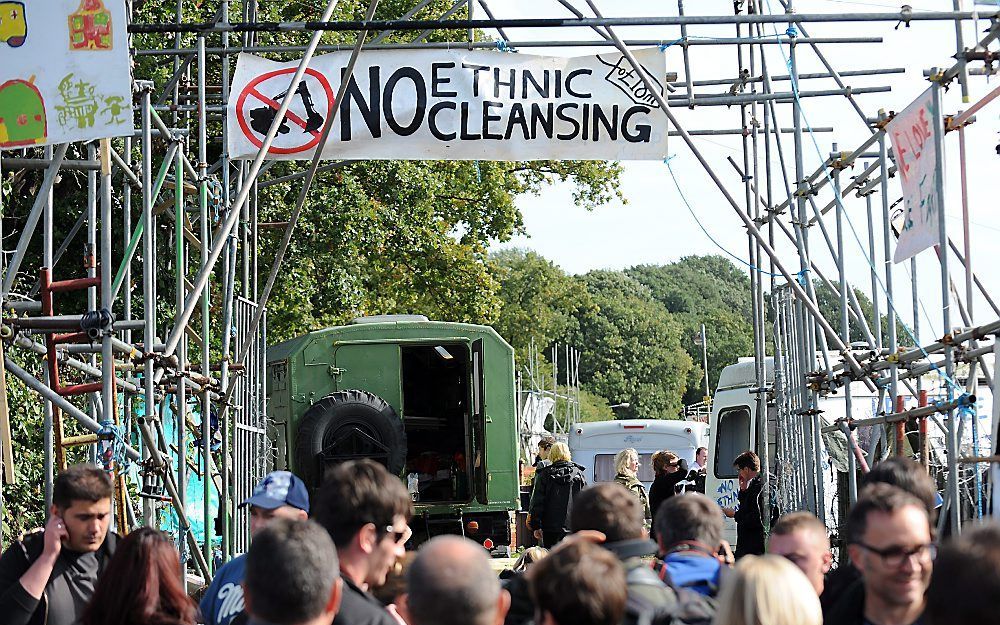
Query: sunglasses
{"x": 397, "y": 536}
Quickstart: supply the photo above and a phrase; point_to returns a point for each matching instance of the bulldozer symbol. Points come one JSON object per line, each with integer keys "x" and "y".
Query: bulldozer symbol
{"x": 262, "y": 118}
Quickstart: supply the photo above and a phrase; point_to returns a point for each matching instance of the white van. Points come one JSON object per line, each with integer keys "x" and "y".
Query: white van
{"x": 594, "y": 444}
{"x": 733, "y": 427}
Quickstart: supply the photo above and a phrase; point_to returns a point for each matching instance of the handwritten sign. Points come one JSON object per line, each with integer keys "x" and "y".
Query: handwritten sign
{"x": 916, "y": 140}
{"x": 726, "y": 495}
{"x": 64, "y": 72}
{"x": 454, "y": 105}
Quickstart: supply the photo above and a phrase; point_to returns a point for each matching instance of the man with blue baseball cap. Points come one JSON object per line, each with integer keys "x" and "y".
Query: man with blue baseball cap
{"x": 280, "y": 495}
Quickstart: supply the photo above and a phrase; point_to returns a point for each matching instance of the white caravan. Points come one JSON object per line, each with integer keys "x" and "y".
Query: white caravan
{"x": 594, "y": 444}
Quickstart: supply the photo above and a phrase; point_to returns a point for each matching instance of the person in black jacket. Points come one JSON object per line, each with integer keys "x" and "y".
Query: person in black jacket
{"x": 367, "y": 511}
{"x": 555, "y": 487}
{"x": 48, "y": 577}
{"x": 749, "y": 516}
{"x": 669, "y": 471}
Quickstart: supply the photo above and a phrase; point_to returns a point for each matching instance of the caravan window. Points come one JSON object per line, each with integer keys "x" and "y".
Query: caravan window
{"x": 604, "y": 468}
{"x": 732, "y": 439}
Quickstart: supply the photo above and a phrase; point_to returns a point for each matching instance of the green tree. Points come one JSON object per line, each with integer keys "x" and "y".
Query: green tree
{"x": 538, "y": 301}
{"x": 706, "y": 290}
{"x": 631, "y": 349}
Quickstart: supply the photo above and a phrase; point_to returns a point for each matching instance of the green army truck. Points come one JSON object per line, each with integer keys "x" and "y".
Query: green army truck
{"x": 432, "y": 401}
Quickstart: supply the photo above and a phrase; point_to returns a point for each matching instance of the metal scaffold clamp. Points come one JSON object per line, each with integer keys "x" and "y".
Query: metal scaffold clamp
{"x": 906, "y": 13}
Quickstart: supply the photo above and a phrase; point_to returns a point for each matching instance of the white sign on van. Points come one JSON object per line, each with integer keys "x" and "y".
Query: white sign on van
{"x": 453, "y": 105}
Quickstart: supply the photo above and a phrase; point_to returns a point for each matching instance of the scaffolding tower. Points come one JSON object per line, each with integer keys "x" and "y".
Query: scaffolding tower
{"x": 149, "y": 378}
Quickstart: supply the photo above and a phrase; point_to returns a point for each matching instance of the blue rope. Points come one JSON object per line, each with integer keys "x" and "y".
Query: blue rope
{"x": 826, "y": 171}
{"x": 684, "y": 199}
{"x": 664, "y": 46}
{"x": 970, "y": 411}
{"x": 503, "y": 46}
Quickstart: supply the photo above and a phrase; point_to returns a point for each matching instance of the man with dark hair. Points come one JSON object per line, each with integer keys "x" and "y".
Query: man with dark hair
{"x": 542, "y": 456}
{"x": 48, "y": 577}
{"x": 967, "y": 569}
{"x": 578, "y": 584}
{"x": 907, "y": 474}
{"x": 889, "y": 541}
{"x": 902, "y": 473}
{"x": 749, "y": 515}
{"x": 611, "y": 509}
{"x": 700, "y": 459}
{"x": 292, "y": 576}
{"x": 689, "y": 533}
{"x": 450, "y": 582}
{"x": 802, "y": 538}
{"x": 366, "y": 510}
{"x": 280, "y": 495}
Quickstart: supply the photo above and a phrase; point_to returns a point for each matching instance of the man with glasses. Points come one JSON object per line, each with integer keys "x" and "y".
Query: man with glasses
{"x": 889, "y": 541}
{"x": 802, "y": 538}
{"x": 367, "y": 511}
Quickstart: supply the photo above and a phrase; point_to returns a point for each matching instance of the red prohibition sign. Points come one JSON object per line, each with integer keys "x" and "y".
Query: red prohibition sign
{"x": 251, "y": 90}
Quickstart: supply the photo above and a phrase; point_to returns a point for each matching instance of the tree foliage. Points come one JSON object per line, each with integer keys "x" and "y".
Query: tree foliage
{"x": 538, "y": 302}
{"x": 707, "y": 290}
{"x": 631, "y": 351}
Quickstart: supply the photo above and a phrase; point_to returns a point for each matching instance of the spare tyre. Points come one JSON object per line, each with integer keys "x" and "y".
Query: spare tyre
{"x": 348, "y": 425}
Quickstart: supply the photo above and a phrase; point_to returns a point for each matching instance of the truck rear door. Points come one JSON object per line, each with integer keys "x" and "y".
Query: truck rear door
{"x": 372, "y": 367}
{"x": 478, "y": 387}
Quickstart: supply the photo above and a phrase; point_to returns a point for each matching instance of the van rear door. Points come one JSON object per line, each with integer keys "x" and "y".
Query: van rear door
{"x": 478, "y": 387}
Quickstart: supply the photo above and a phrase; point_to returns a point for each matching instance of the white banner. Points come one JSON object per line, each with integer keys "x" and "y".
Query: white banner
{"x": 64, "y": 72}
{"x": 916, "y": 134}
{"x": 453, "y": 105}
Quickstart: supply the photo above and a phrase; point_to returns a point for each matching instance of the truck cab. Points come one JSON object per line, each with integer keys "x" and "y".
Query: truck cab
{"x": 432, "y": 401}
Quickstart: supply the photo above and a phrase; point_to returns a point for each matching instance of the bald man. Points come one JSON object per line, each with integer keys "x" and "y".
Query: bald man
{"x": 450, "y": 582}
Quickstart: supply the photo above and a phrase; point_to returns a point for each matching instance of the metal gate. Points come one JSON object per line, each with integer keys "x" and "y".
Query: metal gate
{"x": 251, "y": 445}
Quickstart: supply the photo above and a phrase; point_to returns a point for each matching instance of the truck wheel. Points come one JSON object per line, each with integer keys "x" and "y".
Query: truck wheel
{"x": 348, "y": 425}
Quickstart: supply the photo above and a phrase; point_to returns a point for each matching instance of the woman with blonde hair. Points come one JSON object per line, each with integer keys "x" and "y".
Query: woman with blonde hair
{"x": 627, "y": 474}
{"x": 767, "y": 590}
{"x": 555, "y": 487}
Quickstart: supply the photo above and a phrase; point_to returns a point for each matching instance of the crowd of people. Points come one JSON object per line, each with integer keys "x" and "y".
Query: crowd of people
{"x": 341, "y": 559}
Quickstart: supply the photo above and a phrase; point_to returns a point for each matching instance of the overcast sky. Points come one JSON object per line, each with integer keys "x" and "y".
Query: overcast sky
{"x": 656, "y": 227}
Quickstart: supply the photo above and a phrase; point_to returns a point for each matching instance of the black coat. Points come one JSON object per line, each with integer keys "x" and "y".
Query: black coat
{"x": 849, "y": 608}
{"x": 749, "y": 520}
{"x": 555, "y": 487}
{"x": 662, "y": 489}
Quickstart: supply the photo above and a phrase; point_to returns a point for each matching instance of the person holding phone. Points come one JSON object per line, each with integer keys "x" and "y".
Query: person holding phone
{"x": 48, "y": 577}
{"x": 749, "y": 515}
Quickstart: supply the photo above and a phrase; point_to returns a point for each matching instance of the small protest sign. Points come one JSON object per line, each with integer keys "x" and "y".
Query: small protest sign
{"x": 65, "y": 74}
{"x": 916, "y": 135}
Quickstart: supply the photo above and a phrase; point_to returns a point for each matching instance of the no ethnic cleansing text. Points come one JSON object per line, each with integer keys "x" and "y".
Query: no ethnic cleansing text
{"x": 490, "y": 119}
